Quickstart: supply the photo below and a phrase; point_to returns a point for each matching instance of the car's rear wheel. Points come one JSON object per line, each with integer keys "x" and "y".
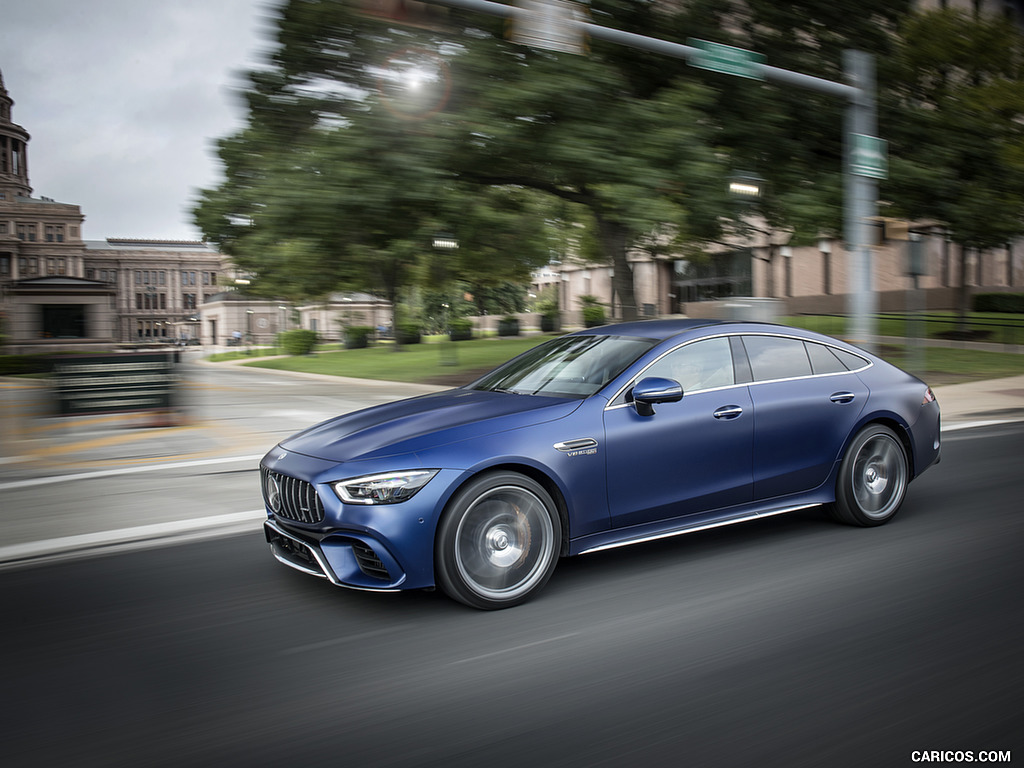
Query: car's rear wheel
{"x": 498, "y": 541}
{"x": 873, "y": 478}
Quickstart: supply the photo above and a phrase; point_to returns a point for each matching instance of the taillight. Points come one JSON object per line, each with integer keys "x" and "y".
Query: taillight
{"x": 929, "y": 396}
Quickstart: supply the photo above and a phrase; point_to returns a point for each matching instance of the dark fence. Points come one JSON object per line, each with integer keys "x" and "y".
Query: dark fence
{"x": 91, "y": 384}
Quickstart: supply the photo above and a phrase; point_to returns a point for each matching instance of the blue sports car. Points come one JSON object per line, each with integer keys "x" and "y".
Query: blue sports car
{"x": 597, "y": 439}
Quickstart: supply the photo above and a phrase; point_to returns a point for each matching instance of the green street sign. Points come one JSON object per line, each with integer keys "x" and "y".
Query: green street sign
{"x": 726, "y": 59}
{"x": 869, "y": 156}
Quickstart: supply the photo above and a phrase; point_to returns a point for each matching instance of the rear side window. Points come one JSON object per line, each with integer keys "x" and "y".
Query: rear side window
{"x": 775, "y": 357}
{"x": 823, "y": 359}
{"x": 851, "y": 361}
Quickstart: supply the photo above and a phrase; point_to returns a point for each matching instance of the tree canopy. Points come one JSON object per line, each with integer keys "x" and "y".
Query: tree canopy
{"x": 367, "y": 137}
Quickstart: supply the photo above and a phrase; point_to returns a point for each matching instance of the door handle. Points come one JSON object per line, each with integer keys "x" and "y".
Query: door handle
{"x": 842, "y": 398}
{"x": 728, "y": 412}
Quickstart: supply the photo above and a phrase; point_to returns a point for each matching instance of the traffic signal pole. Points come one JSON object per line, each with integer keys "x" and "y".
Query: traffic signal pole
{"x": 860, "y": 186}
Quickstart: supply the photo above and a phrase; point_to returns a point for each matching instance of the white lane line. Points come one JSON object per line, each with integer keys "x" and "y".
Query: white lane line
{"x": 515, "y": 648}
{"x": 347, "y": 639}
{"x": 34, "y": 550}
{"x": 127, "y": 471}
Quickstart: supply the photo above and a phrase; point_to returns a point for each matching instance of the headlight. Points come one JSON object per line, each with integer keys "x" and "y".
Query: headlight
{"x": 390, "y": 488}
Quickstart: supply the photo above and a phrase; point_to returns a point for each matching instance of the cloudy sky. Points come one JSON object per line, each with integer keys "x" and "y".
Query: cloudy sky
{"x": 124, "y": 99}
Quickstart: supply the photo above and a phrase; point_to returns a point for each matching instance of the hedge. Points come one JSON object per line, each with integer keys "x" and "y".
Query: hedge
{"x": 999, "y": 302}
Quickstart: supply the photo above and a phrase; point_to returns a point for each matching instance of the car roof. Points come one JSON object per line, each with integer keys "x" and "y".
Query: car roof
{"x": 649, "y": 329}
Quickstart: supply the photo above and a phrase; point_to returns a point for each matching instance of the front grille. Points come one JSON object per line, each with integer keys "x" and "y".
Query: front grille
{"x": 290, "y": 498}
{"x": 368, "y": 561}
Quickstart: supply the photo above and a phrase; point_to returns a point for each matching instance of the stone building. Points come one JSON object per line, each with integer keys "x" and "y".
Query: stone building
{"x": 159, "y": 285}
{"x": 59, "y": 292}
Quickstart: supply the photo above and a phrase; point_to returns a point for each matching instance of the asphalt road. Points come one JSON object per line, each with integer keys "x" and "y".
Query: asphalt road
{"x": 790, "y": 641}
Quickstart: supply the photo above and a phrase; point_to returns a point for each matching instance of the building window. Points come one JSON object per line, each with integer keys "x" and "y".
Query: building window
{"x": 163, "y": 301}
{"x": 113, "y": 276}
{"x": 59, "y": 232}
{"x": 33, "y": 266}
{"x": 138, "y": 277}
{"x": 3, "y": 227}
{"x": 61, "y": 267}
{"x": 74, "y": 231}
{"x": 22, "y": 232}
{"x": 138, "y": 302}
{"x": 163, "y": 278}
{"x": 63, "y": 321}
{"x": 90, "y": 274}
{"x": 49, "y": 233}
{"x": 5, "y": 265}
{"x": 22, "y": 266}
{"x": 31, "y": 233}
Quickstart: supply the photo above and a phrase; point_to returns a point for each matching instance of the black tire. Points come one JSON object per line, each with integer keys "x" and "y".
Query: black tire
{"x": 873, "y": 478}
{"x": 498, "y": 541}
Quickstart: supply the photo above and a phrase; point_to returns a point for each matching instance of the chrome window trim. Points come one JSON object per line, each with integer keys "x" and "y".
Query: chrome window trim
{"x": 612, "y": 405}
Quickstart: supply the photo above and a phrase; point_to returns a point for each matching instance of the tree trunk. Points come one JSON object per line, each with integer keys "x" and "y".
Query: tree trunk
{"x": 614, "y": 239}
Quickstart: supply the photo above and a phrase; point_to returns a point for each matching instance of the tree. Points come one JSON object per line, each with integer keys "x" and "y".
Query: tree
{"x": 570, "y": 127}
{"x": 956, "y": 109}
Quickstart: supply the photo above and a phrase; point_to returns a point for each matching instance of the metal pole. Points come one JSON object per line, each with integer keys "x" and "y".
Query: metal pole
{"x": 860, "y": 201}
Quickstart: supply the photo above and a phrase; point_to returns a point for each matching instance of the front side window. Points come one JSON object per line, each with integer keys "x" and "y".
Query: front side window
{"x": 573, "y": 366}
{"x": 704, "y": 364}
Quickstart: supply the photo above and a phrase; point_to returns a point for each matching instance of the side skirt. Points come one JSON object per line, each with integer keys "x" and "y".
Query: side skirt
{"x": 623, "y": 538}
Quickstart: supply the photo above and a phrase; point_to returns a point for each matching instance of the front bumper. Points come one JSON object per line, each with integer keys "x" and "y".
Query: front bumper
{"x": 344, "y": 560}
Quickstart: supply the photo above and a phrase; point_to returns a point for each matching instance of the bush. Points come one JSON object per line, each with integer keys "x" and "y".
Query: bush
{"x": 461, "y": 329}
{"x": 999, "y": 302}
{"x": 298, "y": 341}
{"x": 593, "y": 316}
{"x": 508, "y": 326}
{"x": 549, "y": 323}
{"x": 357, "y": 336}
{"x": 408, "y": 333}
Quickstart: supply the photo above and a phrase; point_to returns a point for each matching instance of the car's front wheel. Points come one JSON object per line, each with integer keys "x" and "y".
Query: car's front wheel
{"x": 498, "y": 541}
{"x": 872, "y": 479}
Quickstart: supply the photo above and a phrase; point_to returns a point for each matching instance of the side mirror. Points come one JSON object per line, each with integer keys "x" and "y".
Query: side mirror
{"x": 651, "y": 391}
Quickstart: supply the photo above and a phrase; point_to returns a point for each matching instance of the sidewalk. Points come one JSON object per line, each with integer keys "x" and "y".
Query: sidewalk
{"x": 982, "y": 401}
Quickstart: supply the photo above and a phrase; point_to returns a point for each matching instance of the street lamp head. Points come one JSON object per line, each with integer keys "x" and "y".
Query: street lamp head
{"x": 747, "y": 186}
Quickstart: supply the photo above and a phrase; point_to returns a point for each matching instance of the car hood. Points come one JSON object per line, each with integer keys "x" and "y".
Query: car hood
{"x": 420, "y": 423}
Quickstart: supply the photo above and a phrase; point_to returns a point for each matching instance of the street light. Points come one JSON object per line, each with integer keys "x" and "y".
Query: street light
{"x": 747, "y": 187}
{"x": 446, "y": 242}
{"x": 449, "y": 356}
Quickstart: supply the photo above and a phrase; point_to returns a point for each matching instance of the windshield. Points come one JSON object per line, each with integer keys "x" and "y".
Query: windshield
{"x": 572, "y": 366}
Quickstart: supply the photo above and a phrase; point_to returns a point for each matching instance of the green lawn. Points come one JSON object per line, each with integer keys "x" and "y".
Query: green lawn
{"x": 427, "y": 362}
{"x": 988, "y": 326}
{"x": 431, "y": 362}
{"x": 944, "y": 365}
